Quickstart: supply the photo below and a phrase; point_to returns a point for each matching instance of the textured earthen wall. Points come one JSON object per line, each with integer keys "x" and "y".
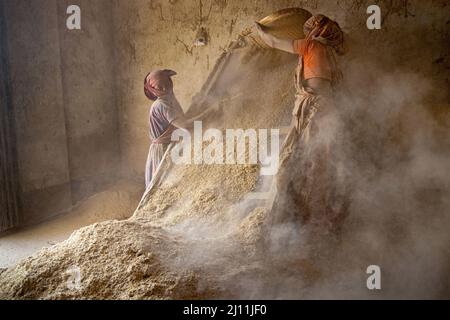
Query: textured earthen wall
{"x": 64, "y": 101}
{"x": 37, "y": 98}
{"x": 87, "y": 69}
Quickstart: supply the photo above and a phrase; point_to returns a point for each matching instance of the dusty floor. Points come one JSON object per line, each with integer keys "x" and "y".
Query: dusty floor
{"x": 118, "y": 202}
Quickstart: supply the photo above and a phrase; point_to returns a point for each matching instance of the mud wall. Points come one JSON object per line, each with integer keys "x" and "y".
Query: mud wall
{"x": 160, "y": 34}
{"x": 63, "y": 98}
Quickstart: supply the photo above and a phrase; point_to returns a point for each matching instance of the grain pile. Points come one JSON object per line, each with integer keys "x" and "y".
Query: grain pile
{"x": 116, "y": 260}
{"x": 113, "y": 203}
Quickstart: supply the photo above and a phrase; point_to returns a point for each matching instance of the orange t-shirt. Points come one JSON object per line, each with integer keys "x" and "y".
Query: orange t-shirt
{"x": 315, "y": 59}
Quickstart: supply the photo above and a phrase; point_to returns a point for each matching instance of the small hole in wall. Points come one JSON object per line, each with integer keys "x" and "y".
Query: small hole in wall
{"x": 201, "y": 38}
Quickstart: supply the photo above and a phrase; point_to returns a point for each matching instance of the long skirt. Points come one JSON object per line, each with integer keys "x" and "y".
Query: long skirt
{"x": 311, "y": 182}
{"x": 155, "y": 155}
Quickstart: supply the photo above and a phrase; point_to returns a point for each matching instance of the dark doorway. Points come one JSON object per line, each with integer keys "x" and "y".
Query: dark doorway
{"x": 9, "y": 179}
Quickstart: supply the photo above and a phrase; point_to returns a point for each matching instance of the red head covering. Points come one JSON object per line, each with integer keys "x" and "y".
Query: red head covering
{"x": 326, "y": 31}
{"x": 158, "y": 83}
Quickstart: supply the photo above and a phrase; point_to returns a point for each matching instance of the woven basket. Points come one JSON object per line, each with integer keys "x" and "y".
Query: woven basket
{"x": 285, "y": 24}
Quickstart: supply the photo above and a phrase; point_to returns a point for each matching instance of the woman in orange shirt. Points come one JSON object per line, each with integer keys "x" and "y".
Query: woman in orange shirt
{"x": 316, "y": 194}
{"x": 317, "y": 70}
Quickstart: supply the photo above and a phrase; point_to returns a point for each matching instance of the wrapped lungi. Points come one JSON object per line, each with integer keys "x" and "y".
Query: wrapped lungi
{"x": 311, "y": 186}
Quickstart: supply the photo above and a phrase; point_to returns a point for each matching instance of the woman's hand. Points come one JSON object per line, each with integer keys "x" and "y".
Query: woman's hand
{"x": 259, "y": 28}
{"x": 272, "y": 41}
{"x": 266, "y": 37}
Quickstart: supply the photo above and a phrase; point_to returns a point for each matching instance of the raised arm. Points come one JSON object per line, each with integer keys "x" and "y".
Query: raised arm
{"x": 184, "y": 123}
{"x": 274, "y": 42}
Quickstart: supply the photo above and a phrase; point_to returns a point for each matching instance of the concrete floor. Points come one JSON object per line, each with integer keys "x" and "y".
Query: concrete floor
{"x": 19, "y": 245}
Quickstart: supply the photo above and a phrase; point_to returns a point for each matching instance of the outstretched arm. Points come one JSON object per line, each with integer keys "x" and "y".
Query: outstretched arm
{"x": 185, "y": 123}
{"x": 274, "y": 42}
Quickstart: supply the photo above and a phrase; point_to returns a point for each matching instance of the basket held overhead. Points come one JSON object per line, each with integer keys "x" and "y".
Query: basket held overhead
{"x": 285, "y": 24}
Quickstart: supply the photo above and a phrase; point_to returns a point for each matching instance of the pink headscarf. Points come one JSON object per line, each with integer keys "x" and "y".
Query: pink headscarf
{"x": 158, "y": 83}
